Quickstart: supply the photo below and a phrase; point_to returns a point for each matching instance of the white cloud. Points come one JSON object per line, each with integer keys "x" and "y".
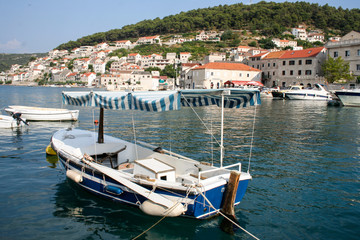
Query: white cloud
{"x": 11, "y": 45}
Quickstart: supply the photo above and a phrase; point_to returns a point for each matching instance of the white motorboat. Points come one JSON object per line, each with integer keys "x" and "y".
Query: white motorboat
{"x": 11, "y": 121}
{"x": 350, "y": 97}
{"x": 158, "y": 181}
{"x": 318, "y": 93}
{"x": 44, "y": 114}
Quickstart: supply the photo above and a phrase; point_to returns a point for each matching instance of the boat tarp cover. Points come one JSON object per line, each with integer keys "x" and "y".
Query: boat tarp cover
{"x": 158, "y": 101}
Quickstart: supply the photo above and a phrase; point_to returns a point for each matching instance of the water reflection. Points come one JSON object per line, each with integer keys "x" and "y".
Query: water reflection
{"x": 52, "y": 160}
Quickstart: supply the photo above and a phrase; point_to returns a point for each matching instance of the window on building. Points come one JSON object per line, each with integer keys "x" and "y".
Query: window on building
{"x": 347, "y": 53}
{"x": 308, "y": 72}
{"x": 248, "y": 75}
{"x": 212, "y": 74}
{"x": 268, "y": 64}
{"x": 284, "y": 63}
{"x": 292, "y": 62}
{"x": 357, "y": 67}
{"x": 273, "y": 73}
{"x": 240, "y": 74}
{"x": 308, "y": 62}
{"x": 299, "y": 72}
{"x": 274, "y": 64}
{"x": 300, "y": 62}
{"x": 336, "y": 54}
{"x": 263, "y": 65}
{"x": 283, "y": 73}
{"x": 358, "y": 52}
{"x": 291, "y": 72}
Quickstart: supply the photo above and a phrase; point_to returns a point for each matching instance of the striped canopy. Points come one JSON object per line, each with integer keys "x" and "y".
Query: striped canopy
{"x": 158, "y": 101}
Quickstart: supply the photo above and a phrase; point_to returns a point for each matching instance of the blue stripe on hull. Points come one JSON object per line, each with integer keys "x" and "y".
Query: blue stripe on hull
{"x": 200, "y": 209}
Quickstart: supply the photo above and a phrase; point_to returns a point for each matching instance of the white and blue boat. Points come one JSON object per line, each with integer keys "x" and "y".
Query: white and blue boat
{"x": 349, "y": 97}
{"x": 317, "y": 93}
{"x": 158, "y": 181}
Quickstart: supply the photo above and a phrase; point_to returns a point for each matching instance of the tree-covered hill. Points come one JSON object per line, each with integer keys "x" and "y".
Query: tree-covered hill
{"x": 270, "y": 18}
{"x": 6, "y": 60}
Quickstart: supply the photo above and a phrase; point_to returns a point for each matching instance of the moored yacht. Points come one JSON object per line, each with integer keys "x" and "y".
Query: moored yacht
{"x": 317, "y": 93}
{"x": 350, "y": 97}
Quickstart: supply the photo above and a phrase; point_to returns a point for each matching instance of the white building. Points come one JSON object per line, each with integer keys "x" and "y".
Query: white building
{"x": 215, "y": 74}
{"x": 149, "y": 40}
{"x": 123, "y": 44}
{"x": 299, "y": 33}
{"x": 284, "y": 43}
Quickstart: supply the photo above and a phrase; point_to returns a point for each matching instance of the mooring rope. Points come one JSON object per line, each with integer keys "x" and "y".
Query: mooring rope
{"x": 169, "y": 211}
{"x": 218, "y": 211}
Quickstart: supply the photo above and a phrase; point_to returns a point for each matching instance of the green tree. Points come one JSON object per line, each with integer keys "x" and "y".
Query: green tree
{"x": 169, "y": 71}
{"x": 336, "y": 69}
{"x": 91, "y": 68}
{"x": 267, "y": 43}
{"x": 252, "y": 44}
{"x": 108, "y": 65}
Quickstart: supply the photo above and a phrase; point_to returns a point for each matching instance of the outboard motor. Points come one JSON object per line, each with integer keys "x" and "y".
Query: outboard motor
{"x": 18, "y": 118}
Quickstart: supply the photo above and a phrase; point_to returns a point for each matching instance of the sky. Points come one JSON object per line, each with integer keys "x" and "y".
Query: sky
{"x": 38, "y": 26}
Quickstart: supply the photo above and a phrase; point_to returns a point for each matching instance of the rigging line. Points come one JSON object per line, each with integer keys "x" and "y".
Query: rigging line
{"x": 252, "y": 139}
{"x": 133, "y": 125}
{"x": 211, "y": 142}
{"x": 200, "y": 119}
{"x": 222, "y": 214}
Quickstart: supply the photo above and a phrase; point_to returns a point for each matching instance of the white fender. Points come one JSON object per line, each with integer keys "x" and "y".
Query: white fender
{"x": 155, "y": 209}
{"x": 74, "y": 176}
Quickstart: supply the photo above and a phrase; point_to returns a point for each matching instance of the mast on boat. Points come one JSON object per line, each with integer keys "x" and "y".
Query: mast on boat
{"x": 223, "y": 93}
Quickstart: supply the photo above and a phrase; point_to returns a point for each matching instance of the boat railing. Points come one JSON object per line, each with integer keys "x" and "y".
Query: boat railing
{"x": 218, "y": 169}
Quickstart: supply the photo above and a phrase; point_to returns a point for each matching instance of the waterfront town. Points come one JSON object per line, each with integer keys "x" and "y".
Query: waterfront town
{"x": 285, "y": 65}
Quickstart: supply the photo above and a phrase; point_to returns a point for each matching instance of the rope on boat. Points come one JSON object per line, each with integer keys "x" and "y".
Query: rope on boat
{"x": 252, "y": 140}
{"x": 237, "y": 225}
{"x": 200, "y": 119}
{"x": 169, "y": 211}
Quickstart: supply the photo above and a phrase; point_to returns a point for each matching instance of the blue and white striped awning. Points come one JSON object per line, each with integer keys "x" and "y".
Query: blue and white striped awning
{"x": 145, "y": 101}
{"x": 159, "y": 101}
{"x": 233, "y": 98}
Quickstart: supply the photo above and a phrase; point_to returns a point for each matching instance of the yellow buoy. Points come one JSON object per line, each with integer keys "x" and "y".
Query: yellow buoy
{"x": 50, "y": 151}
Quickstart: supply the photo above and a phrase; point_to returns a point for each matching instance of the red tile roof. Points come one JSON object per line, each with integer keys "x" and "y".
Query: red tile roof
{"x": 227, "y": 66}
{"x": 310, "y": 52}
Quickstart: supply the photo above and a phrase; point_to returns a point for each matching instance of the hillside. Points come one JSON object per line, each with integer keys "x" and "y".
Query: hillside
{"x": 6, "y": 60}
{"x": 268, "y": 18}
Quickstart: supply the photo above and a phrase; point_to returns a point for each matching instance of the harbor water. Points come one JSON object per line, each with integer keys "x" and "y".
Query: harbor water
{"x": 304, "y": 158}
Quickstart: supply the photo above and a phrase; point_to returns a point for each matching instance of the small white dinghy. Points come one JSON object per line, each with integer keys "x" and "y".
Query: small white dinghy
{"x": 11, "y": 122}
{"x": 44, "y": 114}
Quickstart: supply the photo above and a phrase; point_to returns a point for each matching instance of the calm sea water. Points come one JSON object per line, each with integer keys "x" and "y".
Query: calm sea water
{"x": 304, "y": 162}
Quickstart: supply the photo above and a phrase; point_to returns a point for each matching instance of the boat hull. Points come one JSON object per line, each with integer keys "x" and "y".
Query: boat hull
{"x": 307, "y": 96}
{"x": 349, "y": 98}
{"x": 44, "y": 114}
{"x": 197, "y": 205}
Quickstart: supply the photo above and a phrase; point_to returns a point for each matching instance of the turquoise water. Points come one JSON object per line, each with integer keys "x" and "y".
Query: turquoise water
{"x": 305, "y": 167}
